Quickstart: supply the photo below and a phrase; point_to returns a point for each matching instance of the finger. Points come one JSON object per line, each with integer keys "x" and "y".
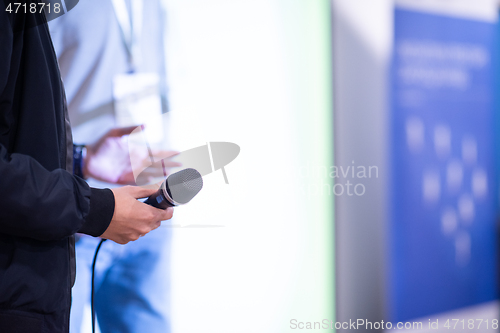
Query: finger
{"x": 121, "y": 131}
{"x": 152, "y": 171}
{"x": 161, "y": 154}
{"x": 166, "y": 214}
{"x": 126, "y": 179}
{"x": 172, "y": 164}
{"x": 156, "y": 225}
{"x": 139, "y": 166}
{"x": 157, "y": 171}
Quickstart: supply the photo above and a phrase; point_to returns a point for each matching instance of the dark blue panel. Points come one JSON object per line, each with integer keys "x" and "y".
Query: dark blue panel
{"x": 443, "y": 212}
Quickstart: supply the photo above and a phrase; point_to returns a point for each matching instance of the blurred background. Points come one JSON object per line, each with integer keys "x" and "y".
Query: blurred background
{"x": 415, "y": 94}
{"x": 366, "y": 186}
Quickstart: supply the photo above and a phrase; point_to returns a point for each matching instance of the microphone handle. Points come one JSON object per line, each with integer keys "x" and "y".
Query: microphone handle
{"x": 159, "y": 200}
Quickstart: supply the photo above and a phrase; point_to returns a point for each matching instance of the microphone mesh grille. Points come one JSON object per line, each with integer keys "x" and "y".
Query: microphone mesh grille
{"x": 182, "y": 186}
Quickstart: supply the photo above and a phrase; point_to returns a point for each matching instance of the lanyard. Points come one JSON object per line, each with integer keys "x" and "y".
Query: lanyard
{"x": 131, "y": 28}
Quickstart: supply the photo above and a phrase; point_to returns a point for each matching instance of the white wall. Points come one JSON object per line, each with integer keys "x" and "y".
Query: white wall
{"x": 362, "y": 42}
{"x": 233, "y": 79}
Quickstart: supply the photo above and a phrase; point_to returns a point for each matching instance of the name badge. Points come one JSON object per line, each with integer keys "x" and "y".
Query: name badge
{"x": 137, "y": 98}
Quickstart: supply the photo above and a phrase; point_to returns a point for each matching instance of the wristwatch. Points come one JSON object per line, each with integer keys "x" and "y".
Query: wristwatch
{"x": 79, "y": 154}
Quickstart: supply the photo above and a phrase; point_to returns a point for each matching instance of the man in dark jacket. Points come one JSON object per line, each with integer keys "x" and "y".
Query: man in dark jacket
{"x": 42, "y": 205}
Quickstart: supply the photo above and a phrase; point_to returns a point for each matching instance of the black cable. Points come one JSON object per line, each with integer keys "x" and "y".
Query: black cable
{"x": 92, "y": 309}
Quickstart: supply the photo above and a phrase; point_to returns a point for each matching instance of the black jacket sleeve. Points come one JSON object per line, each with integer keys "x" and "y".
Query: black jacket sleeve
{"x": 45, "y": 205}
{"x": 38, "y": 199}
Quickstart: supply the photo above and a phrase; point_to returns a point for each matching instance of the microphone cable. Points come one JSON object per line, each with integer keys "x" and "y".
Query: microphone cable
{"x": 92, "y": 292}
{"x": 185, "y": 185}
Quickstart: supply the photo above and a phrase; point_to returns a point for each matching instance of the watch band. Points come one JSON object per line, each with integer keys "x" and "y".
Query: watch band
{"x": 79, "y": 154}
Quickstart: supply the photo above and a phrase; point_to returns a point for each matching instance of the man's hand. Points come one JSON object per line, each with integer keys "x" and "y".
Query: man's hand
{"x": 109, "y": 160}
{"x": 132, "y": 218}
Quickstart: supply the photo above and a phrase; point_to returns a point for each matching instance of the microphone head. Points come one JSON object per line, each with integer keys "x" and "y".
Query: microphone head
{"x": 182, "y": 186}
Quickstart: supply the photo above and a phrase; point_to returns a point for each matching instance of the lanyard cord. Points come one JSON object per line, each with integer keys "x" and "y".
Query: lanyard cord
{"x": 130, "y": 22}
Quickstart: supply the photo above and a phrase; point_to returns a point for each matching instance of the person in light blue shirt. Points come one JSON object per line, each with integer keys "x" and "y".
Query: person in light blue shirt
{"x": 94, "y": 46}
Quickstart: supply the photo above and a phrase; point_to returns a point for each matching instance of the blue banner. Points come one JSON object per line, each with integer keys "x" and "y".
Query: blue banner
{"x": 443, "y": 211}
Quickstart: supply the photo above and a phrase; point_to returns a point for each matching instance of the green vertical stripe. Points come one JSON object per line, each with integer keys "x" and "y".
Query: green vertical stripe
{"x": 308, "y": 35}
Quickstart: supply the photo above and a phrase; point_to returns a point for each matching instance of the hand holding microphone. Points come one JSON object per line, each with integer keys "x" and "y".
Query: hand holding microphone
{"x": 133, "y": 219}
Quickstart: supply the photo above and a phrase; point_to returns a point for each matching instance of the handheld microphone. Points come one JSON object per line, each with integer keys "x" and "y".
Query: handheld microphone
{"x": 178, "y": 189}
